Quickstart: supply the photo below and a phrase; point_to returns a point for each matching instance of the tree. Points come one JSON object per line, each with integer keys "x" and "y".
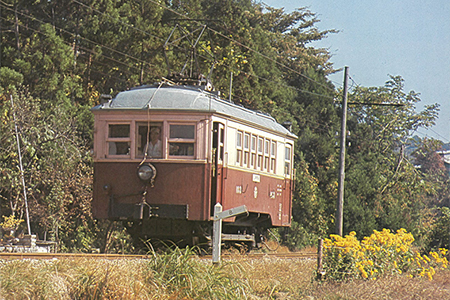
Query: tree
{"x": 56, "y": 164}
{"x": 383, "y": 188}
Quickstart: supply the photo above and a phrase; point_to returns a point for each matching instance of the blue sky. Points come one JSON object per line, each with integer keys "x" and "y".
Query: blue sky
{"x": 379, "y": 38}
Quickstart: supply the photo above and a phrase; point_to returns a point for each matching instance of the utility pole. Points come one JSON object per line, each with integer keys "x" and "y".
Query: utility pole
{"x": 340, "y": 202}
{"x": 22, "y": 176}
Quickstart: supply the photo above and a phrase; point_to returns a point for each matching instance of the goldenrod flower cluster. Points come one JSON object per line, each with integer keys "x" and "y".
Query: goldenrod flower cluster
{"x": 382, "y": 253}
{"x": 10, "y": 222}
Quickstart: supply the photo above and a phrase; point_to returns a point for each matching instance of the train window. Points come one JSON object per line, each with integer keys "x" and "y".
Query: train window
{"x": 266, "y": 154}
{"x": 119, "y": 131}
{"x": 119, "y": 139}
{"x": 181, "y": 149}
{"x": 182, "y": 131}
{"x": 273, "y": 156}
{"x": 260, "y": 152}
{"x": 221, "y": 144}
{"x": 151, "y": 142}
{"x": 246, "y": 149}
{"x": 287, "y": 160}
{"x": 239, "y": 148}
{"x": 181, "y": 140}
{"x": 260, "y": 145}
{"x": 239, "y": 140}
{"x": 118, "y": 148}
{"x": 253, "y": 152}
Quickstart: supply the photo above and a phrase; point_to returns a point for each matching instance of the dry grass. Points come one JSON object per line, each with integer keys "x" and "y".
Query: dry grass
{"x": 180, "y": 277}
{"x": 398, "y": 287}
{"x": 294, "y": 279}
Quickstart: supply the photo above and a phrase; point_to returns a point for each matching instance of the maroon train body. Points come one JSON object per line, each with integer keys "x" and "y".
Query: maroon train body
{"x": 165, "y": 155}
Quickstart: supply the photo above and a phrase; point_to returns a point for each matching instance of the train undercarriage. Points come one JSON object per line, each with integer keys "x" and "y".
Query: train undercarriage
{"x": 245, "y": 232}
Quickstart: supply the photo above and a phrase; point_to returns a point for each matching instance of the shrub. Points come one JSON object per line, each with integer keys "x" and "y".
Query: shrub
{"x": 382, "y": 253}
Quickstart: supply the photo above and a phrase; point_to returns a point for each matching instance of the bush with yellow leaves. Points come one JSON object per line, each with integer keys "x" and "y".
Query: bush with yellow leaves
{"x": 382, "y": 253}
{"x": 10, "y": 222}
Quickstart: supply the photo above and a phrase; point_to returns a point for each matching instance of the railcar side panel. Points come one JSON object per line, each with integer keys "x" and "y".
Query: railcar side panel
{"x": 260, "y": 193}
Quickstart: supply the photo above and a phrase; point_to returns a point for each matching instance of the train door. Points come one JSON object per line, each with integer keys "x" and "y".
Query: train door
{"x": 217, "y": 164}
{"x": 289, "y": 184}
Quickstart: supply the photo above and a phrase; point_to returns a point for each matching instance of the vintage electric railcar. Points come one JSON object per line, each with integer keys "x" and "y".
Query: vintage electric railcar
{"x": 166, "y": 154}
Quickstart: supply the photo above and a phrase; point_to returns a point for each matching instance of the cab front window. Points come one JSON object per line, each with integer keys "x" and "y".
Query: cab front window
{"x": 149, "y": 140}
{"x": 118, "y": 140}
{"x": 182, "y": 140}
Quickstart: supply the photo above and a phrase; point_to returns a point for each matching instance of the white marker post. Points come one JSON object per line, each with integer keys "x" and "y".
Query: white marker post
{"x": 219, "y": 215}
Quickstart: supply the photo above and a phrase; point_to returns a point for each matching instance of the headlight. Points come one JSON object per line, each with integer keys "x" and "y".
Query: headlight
{"x": 146, "y": 172}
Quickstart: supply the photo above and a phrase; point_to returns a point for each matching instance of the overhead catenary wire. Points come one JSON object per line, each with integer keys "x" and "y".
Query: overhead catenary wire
{"x": 321, "y": 127}
{"x": 75, "y": 35}
{"x": 116, "y": 20}
{"x": 85, "y": 49}
{"x": 248, "y": 48}
{"x": 142, "y": 61}
{"x": 151, "y": 35}
{"x": 444, "y": 139}
{"x": 226, "y": 37}
{"x": 145, "y": 62}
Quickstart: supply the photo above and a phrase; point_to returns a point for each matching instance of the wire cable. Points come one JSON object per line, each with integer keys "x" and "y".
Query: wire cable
{"x": 245, "y": 46}
{"x": 240, "y": 44}
{"x": 145, "y": 62}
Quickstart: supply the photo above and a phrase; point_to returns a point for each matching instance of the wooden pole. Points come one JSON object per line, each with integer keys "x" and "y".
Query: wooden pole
{"x": 21, "y": 168}
{"x": 340, "y": 202}
{"x": 319, "y": 257}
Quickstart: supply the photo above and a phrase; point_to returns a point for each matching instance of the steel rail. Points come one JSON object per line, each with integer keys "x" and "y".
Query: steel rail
{"x": 17, "y": 255}
{"x": 282, "y": 255}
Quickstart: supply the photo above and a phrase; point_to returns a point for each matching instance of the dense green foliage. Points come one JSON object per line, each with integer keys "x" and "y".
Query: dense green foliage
{"x": 58, "y": 57}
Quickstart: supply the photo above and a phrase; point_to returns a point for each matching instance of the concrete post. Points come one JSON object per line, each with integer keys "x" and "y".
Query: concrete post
{"x": 217, "y": 234}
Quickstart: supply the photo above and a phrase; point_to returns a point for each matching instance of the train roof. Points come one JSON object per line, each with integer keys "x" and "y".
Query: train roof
{"x": 188, "y": 98}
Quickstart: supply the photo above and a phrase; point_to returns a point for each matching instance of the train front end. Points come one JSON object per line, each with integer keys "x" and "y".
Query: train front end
{"x": 150, "y": 161}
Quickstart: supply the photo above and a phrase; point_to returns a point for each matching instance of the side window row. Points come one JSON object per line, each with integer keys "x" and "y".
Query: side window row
{"x": 150, "y": 140}
{"x": 256, "y": 152}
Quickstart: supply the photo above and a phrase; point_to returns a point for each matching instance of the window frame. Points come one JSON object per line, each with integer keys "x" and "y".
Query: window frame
{"x": 273, "y": 156}
{"x": 178, "y": 140}
{"x": 287, "y": 160}
{"x": 254, "y": 139}
{"x": 139, "y": 124}
{"x": 124, "y": 139}
{"x": 246, "y": 158}
{"x": 239, "y": 148}
{"x": 260, "y": 151}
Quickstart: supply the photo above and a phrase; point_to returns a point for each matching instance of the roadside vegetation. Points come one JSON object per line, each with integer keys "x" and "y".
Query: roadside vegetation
{"x": 180, "y": 274}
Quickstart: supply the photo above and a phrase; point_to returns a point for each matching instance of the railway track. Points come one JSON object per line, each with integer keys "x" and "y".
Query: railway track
{"x": 6, "y": 255}
{"x": 286, "y": 255}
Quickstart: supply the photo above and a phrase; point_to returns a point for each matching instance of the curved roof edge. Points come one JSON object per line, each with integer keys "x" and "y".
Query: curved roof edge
{"x": 188, "y": 98}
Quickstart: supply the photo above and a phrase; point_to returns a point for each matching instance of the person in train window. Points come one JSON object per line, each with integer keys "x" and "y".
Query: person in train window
{"x": 112, "y": 148}
{"x": 154, "y": 147}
